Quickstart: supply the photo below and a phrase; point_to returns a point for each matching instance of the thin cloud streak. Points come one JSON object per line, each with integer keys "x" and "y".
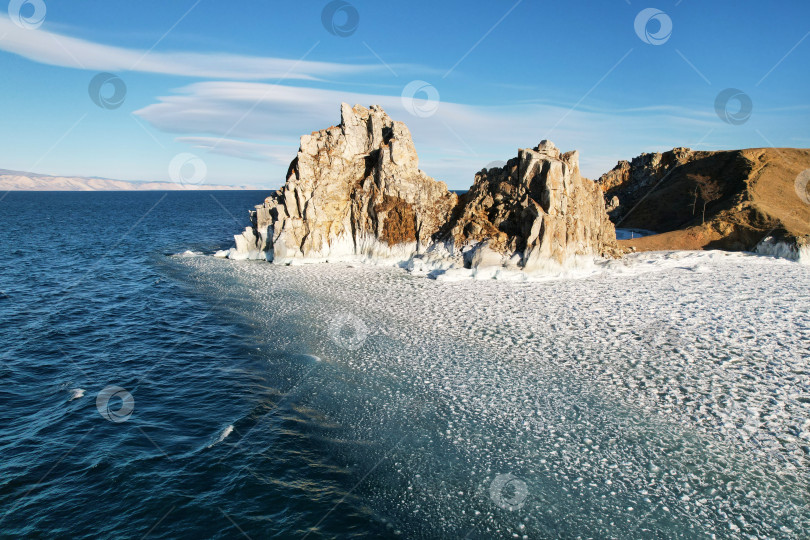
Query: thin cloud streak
{"x": 87, "y": 55}
{"x": 278, "y": 154}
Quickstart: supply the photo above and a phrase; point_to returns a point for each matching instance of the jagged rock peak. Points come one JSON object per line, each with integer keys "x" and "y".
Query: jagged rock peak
{"x": 547, "y": 148}
{"x": 534, "y": 211}
{"x": 354, "y": 190}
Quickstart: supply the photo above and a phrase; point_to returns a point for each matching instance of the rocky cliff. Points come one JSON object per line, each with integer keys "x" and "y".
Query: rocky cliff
{"x": 534, "y": 211}
{"x": 355, "y": 191}
{"x": 741, "y": 200}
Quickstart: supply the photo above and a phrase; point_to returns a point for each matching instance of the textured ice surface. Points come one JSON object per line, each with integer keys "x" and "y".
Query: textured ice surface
{"x": 666, "y": 395}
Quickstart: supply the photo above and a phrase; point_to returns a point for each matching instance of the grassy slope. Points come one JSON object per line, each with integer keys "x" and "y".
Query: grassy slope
{"x": 759, "y": 197}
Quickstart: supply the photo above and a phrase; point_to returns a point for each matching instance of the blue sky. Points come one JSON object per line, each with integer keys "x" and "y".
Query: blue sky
{"x": 238, "y": 83}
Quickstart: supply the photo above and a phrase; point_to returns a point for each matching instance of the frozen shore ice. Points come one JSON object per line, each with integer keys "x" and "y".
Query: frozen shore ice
{"x": 675, "y": 384}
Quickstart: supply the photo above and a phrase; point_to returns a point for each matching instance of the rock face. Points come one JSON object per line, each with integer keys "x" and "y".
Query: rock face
{"x": 633, "y": 182}
{"x": 740, "y": 200}
{"x": 535, "y": 210}
{"x": 353, "y": 191}
{"x": 356, "y": 191}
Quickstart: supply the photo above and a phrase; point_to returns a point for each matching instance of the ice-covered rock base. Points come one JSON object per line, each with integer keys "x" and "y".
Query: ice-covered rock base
{"x": 792, "y": 251}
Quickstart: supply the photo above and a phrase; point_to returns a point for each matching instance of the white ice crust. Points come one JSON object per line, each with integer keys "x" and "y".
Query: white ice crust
{"x": 704, "y": 356}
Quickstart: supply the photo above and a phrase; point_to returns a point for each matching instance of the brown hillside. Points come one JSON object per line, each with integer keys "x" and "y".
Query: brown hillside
{"x": 747, "y": 195}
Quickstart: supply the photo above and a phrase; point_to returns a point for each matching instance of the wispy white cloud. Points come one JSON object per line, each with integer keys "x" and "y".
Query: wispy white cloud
{"x": 61, "y": 50}
{"x": 273, "y": 153}
{"x": 453, "y": 144}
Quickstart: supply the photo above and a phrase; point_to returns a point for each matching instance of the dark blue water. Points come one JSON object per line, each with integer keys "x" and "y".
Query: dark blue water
{"x": 90, "y": 300}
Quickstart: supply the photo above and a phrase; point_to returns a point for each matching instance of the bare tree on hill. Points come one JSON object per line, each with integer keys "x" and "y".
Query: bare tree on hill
{"x": 710, "y": 191}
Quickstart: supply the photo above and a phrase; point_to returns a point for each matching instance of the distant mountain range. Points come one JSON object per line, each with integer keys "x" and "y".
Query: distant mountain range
{"x": 26, "y": 181}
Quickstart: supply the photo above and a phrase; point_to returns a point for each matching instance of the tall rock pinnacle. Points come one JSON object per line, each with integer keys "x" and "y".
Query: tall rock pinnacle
{"x": 354, "y": 190}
